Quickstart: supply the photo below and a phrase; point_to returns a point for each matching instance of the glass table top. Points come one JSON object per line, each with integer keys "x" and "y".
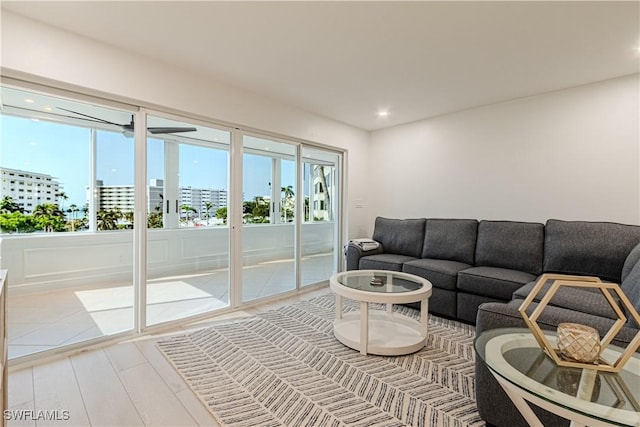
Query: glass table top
{"x": 514, "y": 354}
{"x": 379, "y": 281}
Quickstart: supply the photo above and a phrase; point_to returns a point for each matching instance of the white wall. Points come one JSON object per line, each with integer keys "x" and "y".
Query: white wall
{"x": 571, "y": 154}
{"x": 44, "y": 53}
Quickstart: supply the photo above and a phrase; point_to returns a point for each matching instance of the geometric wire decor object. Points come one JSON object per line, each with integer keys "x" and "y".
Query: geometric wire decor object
{"x": 608, "y": 291}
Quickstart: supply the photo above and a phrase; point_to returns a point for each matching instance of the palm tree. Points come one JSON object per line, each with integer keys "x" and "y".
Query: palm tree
{"x": 73, "y": 209}
{"x": 49, "y": 217}
{"x": 187, "y": 210}
{"x": 154, "y": 220}
{"x": 8, "y": 205}
{"x": 221, "y": 213}
{"x": 108, "y": 219}
{"x": 128, "y": 216}
{"x": 288, "y": 192}
{"x": 62, "y": 197}
{"x": 207, "y": 209}
{"x": 287, "y": 201}
{"x": 255, "y": 211}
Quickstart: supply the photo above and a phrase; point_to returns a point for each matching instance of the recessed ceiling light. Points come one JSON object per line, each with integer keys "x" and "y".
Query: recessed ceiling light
{"x": 47, "y": 108}
{"x": 29, "y": 101}
{"x": 382, "y": 113}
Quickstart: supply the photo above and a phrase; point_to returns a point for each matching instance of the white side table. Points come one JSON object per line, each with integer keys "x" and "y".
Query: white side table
{"x": 381, "y": 332}
{"x": 586, "y": 397}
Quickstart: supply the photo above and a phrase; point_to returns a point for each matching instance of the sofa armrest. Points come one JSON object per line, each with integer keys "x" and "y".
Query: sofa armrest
{"x": 354, "y": 251}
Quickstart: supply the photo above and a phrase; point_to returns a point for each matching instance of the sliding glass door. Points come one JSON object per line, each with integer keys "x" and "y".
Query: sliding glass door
{"x": 67, "y": 171}
{"x": 269, "y": 209}
{"x": 113, "y": 219}
{"x": 187, "y": 235}
{"x": 320, "y": 244}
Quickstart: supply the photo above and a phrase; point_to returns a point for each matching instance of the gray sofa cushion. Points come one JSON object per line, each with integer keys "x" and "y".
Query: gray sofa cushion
{"x": 384, "y": 262}
{"x": 632, "y": 259}
{"x": 441, "y": 273}
{"x": 400, "y": 236}
{"x": 492, "y": 282}
{"x": 450, "y": 239}
{"x": 585, "y": 300}
{"x": 631, "y": 289}
{"x": 588, "y": 248}
{"x": 512, "y": 245}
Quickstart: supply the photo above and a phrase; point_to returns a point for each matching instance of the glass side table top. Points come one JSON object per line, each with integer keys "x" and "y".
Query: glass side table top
{"x": 514, "y": 354}
{"x": 379, "y": 281}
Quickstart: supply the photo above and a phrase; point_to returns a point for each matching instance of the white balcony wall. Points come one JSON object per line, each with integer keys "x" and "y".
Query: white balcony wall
{"x": 46, "y": 262}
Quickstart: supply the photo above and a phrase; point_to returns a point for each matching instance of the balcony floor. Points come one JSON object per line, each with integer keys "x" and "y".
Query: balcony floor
{"x": 43, "y": 321}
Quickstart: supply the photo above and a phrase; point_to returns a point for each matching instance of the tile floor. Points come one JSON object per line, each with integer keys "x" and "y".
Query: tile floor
{"x": 44, "y": 321}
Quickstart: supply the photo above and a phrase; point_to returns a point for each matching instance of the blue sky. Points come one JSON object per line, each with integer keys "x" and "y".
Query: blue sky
{"x": 63, "y": 152}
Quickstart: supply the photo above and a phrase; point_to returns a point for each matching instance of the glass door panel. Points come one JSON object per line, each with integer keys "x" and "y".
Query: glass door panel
{"x": 319, "y": 231}
{"x": 188, "y": 236}
{"x": 269, "y": 206}
{"x": 66, "y": 220}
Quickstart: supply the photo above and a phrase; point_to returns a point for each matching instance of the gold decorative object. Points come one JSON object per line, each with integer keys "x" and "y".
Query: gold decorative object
{"x": 558, "y": 280}
{"x": 578, "y": 343}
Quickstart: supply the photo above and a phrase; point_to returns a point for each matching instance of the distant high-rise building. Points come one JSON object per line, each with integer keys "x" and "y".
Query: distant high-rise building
{"x": 122, "y": 197}
{"x": 116, "y": 197}
{"x": 199, "y": 198}
{"x": 29, "y": 189}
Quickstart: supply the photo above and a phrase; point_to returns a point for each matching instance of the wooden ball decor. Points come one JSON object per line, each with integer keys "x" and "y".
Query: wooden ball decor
{"x": 579, "y": 346}
{"x": 578, "y": 343}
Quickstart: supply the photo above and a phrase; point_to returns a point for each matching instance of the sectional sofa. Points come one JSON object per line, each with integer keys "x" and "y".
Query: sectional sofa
{"x": 481, "y": 271}
{"x": 471, "y": 262}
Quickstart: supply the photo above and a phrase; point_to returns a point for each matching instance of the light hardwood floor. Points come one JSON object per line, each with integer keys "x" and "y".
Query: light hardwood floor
{"x": 125, "y": 384}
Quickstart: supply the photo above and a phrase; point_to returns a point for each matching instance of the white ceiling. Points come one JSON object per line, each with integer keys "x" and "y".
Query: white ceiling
{"x": 346, "y": 60}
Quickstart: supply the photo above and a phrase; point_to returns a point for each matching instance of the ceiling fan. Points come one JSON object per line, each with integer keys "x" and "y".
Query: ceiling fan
{"x": 130, "y": 126}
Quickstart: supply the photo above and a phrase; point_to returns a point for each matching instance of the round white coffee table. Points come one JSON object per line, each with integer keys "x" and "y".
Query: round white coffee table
{"x": 381, "y": 332}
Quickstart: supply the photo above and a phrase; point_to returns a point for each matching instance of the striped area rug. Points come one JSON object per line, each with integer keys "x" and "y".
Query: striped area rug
{"x": 285, "y": 368}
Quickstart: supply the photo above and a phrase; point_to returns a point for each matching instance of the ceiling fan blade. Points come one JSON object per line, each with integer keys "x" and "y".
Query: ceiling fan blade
{"x": 96, "y": 119}
{"x": 155, "y": 130}
{"x": 130, "y": 126}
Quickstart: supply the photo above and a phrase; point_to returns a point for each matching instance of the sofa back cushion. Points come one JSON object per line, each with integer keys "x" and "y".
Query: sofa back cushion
{"x": 400, "y": 236}
{"x": 588, "y": 248}
{"x": 450, "y": 239}
{"x": 631, "y": 288}
{"x": 510, "y": 244}
{"x": 630, "y": 262}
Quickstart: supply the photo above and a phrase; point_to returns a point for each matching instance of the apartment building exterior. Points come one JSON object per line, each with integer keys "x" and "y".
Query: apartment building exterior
{"x": 122, "y": 197}
{"x": 29, "y": 189}
{"x": 201, "y": 198}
